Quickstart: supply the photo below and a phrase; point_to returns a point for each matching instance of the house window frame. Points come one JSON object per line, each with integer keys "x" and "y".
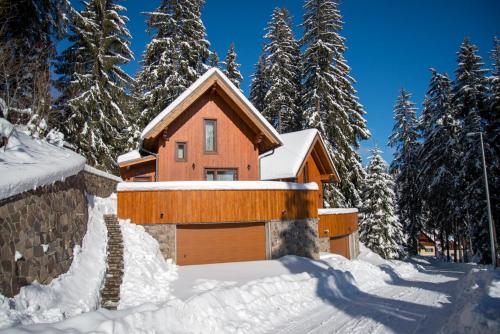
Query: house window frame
{"x": 142, "y": 178}
{"x": 176, "y": 157}
{"x": 205, "y": 121}
{"x": 215, "y": 169}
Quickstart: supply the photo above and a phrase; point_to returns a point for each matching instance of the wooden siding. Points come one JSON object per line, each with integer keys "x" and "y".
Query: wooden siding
{"x": 235, "y": 143}
{"x": 334, "y": 225}
{"x": 340, "y": 245}
{"x": 216, "y": 243}
{"x": 213, "y": 206}
{"x": 314, "y": 175}
{"x": 146, "y": 168}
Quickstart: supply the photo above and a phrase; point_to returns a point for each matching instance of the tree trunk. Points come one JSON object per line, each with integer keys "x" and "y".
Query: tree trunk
{"x": 448, "y": 257}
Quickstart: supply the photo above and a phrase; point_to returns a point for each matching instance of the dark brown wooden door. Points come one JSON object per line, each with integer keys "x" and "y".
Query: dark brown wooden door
{"x": 340, "y": 245}
{"x": 216, "y": 243}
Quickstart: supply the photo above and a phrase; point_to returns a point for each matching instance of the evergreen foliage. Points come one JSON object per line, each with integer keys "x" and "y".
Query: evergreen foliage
{"x": 281, "y": 102}
{"x": 174, "y": 58}
{"x": 380, "y": 229}
{"x": 213, "y": 59}
{"x": 93, "y": 86}
{"x": 260, "y": 83}
{"x": 405, "y": 167}
{"x": 328, "y": 98}
{"x": 231, "y": 68}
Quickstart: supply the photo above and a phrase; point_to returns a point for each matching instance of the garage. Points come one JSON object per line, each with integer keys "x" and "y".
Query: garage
{"x": 216, "y": 243}
{"x": 340, "y": 245}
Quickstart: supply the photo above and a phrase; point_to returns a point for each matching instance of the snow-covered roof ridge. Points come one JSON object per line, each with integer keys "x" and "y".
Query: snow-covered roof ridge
{"x": 215, "y": 185}
{"x": 189, "y": 91}
{"x": 336, "y": 211}
{"x": 129, "y": 156}
{"x": 286, "y": 160}
{"x": 27, "y": 163}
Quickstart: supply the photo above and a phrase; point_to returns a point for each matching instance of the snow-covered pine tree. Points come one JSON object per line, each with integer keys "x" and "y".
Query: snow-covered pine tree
{"x": 93, "y": 85}
{"x": 260, "y": 83}
{"x": 439, "y": 156}
{"x": 174, "y": 58}
{"x": 281, "y": 102}
{"x": 28, "y": 31}
{"x": 379, "y": 228}
{"x": 328, "y": 97}
{"x": 213, "y": 59}
{"x": 231, "y": 68}
{"x": 493, "y": 134}
{"x": 469, "y": 101}
{"x": 405, "y": 167}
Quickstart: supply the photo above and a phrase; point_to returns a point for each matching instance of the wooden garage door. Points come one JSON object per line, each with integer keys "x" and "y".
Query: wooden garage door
{"x": 340, "y": 245}
{"x": 215, "y": 243}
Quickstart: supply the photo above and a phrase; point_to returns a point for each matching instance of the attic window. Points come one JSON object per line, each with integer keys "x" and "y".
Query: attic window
{"x": 180, "y": 151}
{"x": 210, "y": 134}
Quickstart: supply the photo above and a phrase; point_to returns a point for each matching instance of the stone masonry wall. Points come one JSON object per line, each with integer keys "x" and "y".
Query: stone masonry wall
{"x": 165, "y": 235}
{"x": 43, "y": 226}
{"x": 298, "y": 237}
{"x": 324, "y": 244}
{"x": 99, "y": 185}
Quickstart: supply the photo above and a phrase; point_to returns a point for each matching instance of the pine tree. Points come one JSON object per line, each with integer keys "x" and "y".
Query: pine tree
{"x": 213, "y": 59}
{"x": 28, "y": 31}
{"x": 439, "y": 156}
{"x": 281, "y": 102}
{"x": 260, "y": 83}
{"x": 380, "y": 229}
{"x": 469, "y": 100}
{"x": 328, "y": 97}
{"x": 174, "y": 58}
{"x": 405, "y": 167}
{"x": 231, "y": 68}
{"x": 93, "y": 85}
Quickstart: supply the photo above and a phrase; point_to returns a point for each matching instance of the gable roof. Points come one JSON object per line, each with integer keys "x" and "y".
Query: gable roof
{"x": 287, "y": 160}
{"x": 211, "y": 77}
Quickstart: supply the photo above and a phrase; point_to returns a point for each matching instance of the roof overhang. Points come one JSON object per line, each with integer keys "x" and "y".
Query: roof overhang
{"x": 136, "y": 161}
{"x": 213, "y": 79}
{"x": 323, "y": 159}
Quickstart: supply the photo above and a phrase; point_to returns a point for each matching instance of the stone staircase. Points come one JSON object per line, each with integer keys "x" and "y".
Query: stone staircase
{"x": 110, "y": 293}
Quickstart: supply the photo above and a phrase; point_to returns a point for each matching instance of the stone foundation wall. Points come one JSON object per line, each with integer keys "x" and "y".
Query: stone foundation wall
{"x": 354, "y": 245}
{"x": 42, "y": 226}
{"x": 165, "y": 235}
{"x": 297, "y": 237}
{"x": 324, "y": 244}
{"x": 99, "y": 185}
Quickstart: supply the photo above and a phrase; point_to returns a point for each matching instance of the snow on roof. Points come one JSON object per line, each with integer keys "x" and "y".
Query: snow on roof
{"x": 215, "y": 185}
{"x": 129, "y": 156}
{"x": 286, "y": 160}
{"x": 27, "y": 163}
{"x": 171, "y": 107}
{"x": 336, "y": 211}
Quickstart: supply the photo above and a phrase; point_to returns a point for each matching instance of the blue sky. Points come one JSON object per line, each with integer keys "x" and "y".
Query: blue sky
{"x": 391, "y": 43}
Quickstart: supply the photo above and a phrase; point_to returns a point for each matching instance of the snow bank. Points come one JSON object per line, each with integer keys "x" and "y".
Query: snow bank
{"x": 98, "y": 172}
{"x": 337, "y": 211}
{"x": 72, "y": 293}
{"x": 215, "y": 185}
{"x": 144, "y": 267}
{"x": 27, "y": 163}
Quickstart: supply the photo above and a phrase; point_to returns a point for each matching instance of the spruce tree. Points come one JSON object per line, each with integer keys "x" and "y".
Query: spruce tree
{"x": 93, "y": 85}
{"x": 469, "y": 101}
{"x": 231, "y": 68}
{"x": 405, "y": 167}
{"x": 174, "y": 58}
{"x": 260, "y": 83}
{"x": 379, "y": 228}
{"x": 328, "y": 98}
{"x": 28, "y": 32}
{"x": 281, "y": 102}
{"x": 213, "y": 59}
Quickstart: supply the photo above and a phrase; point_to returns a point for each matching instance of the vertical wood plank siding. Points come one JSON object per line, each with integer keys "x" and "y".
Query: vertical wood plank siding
{"x": 333, "y": 225}
{"x": 213, "y": 206}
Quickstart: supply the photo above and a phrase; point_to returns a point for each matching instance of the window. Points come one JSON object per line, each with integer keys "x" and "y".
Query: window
{"x": 142, "y": 178}
{"x": 180, "y": 151}
{"x": 210, "y": 134}
{"x": 221, "y": 174}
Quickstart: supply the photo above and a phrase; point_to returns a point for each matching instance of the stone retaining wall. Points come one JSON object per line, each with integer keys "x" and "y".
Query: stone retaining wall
{"x": 297, "y": 237}
{"x": 43, "y": 226}
{"x": 165, "y": 235}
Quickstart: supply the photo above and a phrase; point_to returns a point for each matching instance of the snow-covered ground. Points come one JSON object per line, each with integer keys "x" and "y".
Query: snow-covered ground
{"x": 292, "y": 295}
{"x": 74, "y": 292}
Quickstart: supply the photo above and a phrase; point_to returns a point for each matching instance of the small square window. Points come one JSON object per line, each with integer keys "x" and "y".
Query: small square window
{"x": 180, "y": 151}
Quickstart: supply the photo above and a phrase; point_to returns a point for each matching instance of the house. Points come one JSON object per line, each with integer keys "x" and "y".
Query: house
{"x": 270, "y": 186}
{"x": 426, "y": 246}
